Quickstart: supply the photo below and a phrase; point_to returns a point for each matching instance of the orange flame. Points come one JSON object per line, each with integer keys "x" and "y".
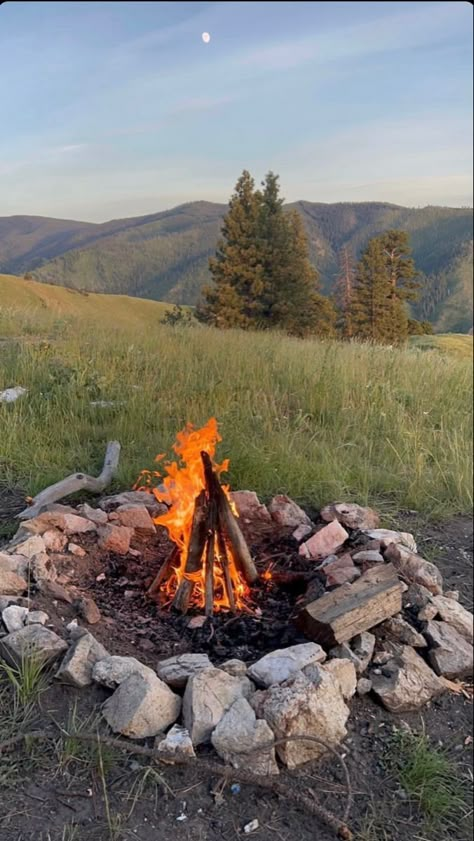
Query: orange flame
{"x": 183, "y": 482}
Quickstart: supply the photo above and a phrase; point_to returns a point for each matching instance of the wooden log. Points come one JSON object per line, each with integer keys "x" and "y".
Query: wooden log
{"x": 228, "y": 524}
{"x": 75, "y": 482}
{"x": 224, "y": 559}
{"x": 197, "y": 542}
{"x": 352, "y": 608}
{"x": 164, "y": 572}
{"x": 209, "y": 577}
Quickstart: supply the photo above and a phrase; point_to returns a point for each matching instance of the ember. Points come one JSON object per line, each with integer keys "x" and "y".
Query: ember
{"x": 210, "y": 565}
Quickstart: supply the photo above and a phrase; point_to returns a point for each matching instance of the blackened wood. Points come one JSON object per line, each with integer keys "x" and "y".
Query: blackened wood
{"x": 224, "y": 559}
{"x": 164, "y": 572}
{"x": 197, "y": 542}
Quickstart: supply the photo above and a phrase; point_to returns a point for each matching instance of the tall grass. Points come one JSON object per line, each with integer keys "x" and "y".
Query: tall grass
{"x": 319, "y": 421}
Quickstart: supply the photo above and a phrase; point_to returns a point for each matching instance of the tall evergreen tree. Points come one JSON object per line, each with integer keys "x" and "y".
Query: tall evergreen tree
{"x": 400, "y": 264}
{"x": 234, "y": 300}
{"x": 371, "y": 308}
{"x": 344, "y": 289}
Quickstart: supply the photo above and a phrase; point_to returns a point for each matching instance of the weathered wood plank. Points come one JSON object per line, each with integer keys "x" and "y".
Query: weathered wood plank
{"x": 352, "y": 608}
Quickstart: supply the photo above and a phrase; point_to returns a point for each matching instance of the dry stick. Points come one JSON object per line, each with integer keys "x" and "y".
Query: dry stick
{"x": 224, "y": 558}
{"x": 209, "y": 576}
{"x": 197, "y": 542}
{"x": 76, "y": 482}
{"x": 229, "y": 525}
{"x": 164, "y": 571}
{"x": 313, "y": 807}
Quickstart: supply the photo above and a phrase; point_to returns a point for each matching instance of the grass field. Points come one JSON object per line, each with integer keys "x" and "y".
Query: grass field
{"x": 317, "y": 420}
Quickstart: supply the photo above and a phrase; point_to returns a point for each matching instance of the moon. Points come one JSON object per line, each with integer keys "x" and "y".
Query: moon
{"x": 206, "y": 37}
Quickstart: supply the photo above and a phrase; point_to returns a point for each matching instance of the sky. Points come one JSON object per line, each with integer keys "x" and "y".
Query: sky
{"x": 115, "y": 109}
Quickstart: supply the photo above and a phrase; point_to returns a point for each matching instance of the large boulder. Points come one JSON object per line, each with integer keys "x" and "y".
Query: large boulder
{"x": 238, "y": 737}
{"x": 345, "y": 675}
{"x": 302, "y": 707}
{"x": 326, "y": 541}
{"x": 83, "y": 654}
{"x": 142, "y": 706}
{"x": 414, "y": 569}
{"x": 351, "y": 515}
{"x": 285, "y": 663}
{"x": 450, "y": 653}
{"x": 285, "y": 512}
{"x": 406, "y": 682}
{"x": 208, "y": 695}
{"x": 176, "y": 671}
{"x": 454, "y": 614}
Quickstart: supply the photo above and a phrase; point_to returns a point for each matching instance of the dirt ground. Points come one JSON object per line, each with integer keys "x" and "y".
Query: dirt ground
{"x": 55, "y": 791}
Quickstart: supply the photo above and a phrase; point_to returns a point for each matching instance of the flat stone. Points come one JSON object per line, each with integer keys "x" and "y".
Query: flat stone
{"x": 115, "y": 538}
{"x": 301, "y": 532}
{"x": 407, "y": 682}
{"x": 54, "y": 540}
{"x": 11, "y": 584}
{"x": 32, "y": 641}
{"x": 450, "y": 654}
{"x": 398, "y": 629}
{"x": 238, "y": 736}
{"x": 234, "y": 667}
{"x": 36, "y": 617}
{"x": 76, "y": 668}
{"x": 340, "y": 570}
{"x": 387, "y": 536}
{"x": 249, "y": 507}
{"x": 414, "y": 569}
{"x": 344, "y": 673}
{"x": 301, "y": 708}
{"x": 176, "y": 748}
{"x": 13, "y": 617}
{"x": 88, "y": 610}
{"x": 136, "y": 517}
{"x": 208, "y": 695}
{"x": 368, "y": 556}
{"x": 150, "y": 502}
{"x": 76, "y": 550}
{"x": 95, "y": 515}
{"x": 176, "y": 671}
{"x": 112, "y": 671}
{"x": 351, "y": 515}
{"x": 285, "y": 512}
{"x": 359, "y": 651}
{"x": 364, "y": 686}
{"x": 142, "y": 706}
{"x": 284, "y": 663}
{"x": 326, "y": 541}
{"x": 455, "y": 615}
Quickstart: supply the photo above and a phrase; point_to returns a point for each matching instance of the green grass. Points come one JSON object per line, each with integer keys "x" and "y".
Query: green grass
{"x": 320, "y": 421}
{"x": 454, "y": 344}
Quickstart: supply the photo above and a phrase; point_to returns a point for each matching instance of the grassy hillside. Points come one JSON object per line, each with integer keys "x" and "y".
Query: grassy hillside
{"x": 165, "y": 256}
{"x": 453, "y": 344}
{"x": 317, "y": 420}
{"x": 26, "y": 302}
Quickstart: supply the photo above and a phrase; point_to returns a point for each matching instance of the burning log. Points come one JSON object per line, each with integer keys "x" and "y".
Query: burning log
{"x": 216, "y": 551}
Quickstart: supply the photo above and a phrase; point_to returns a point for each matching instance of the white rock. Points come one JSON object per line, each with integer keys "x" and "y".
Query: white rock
{"x": 15, "y": 563}
{"x": 414, "y": 569}
{"x": 54, "y": 540}
{"x": 9, "y": 395}
{"x": 208, "y": 695}
{"x": 238, "y": 736}
{"x": 234, "y": 667}
{"x": 454, "y": 614}
{"x": 301, "y": 708}
{"x": 450, "y": 654}
{"x": 76, "y": 668}
{"x": 36, "y": 617}
{"x": 175, "y": 671}
{"x": 370, "y": 556}
{"x": 176, "y": 747}
{"x": 408, "y": 683}
{"x": 351, "y": 515}
{"x": 32, "y": 546}
{"x": 386, "y": 537}
{"x": 76, "y": 550}
{"x": 95, "y": 515}
{"x": 114, "y": 670}
{"x": 142, "y": 706}
{"x": 42, "y": 568}
{"x": 284, "y": 663}
{"x": 13, "y": 617}
{"x": 301, "y": 531}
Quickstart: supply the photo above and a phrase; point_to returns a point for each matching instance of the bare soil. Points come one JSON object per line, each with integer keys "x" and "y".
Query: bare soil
{"x": 44, "y": 799}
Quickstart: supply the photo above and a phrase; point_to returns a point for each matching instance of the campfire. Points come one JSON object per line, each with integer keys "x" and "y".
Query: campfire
{"x": 210, "y": 566}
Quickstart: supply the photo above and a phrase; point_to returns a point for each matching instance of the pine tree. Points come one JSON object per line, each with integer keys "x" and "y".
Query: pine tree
{"x": 344, "y": 289}
{"x": 234, "y": 300}
{"x": 371, "y": 308}
{"x": 400, "y": 264}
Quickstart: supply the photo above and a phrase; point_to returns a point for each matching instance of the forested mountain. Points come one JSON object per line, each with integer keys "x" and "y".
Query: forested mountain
{"x": 164, "y": 256}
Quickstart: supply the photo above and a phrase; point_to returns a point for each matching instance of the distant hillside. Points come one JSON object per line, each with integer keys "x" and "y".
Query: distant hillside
{"x": 164, "y": 256}
{"x": 22, "y": 298}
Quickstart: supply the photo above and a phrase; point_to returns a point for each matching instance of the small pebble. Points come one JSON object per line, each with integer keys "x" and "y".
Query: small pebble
{"x": 251, "y": 827}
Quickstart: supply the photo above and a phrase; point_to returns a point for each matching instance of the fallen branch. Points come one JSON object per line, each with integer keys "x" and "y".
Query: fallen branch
{"x": 75, "y": 482}
{"x": 212, "y": 768}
